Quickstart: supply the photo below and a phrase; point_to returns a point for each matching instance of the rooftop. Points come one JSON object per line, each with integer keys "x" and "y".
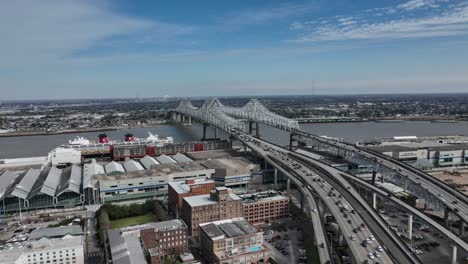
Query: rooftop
{"x": 56, "y": 232}
{"x": 181, "y": 158}
{"x": 9, "y": 253}
{"x": 228, "y": 228}
{"x": 263, "y": 197}
{"x": 182, "y": 187}
{"x": 231, "y": 163}
{"x": 199, "y": 200}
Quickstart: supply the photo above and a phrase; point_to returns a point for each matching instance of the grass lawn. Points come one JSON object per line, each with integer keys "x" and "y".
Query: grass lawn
{"x": 135, "y": 220}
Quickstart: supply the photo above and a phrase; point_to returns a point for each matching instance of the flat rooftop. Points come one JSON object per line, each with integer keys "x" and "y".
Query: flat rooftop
{"x": 266, "y": 196}
{"x": 229, "y": 228}
{"x": 182, "y": 187}
{"x": 222, "y": 163}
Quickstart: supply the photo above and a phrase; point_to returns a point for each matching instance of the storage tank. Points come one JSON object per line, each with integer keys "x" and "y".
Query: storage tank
{"x": 103, "y": 138}
{"x": 129, "y": 137}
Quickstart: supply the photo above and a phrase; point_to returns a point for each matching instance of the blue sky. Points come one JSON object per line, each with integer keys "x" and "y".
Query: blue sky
{"x": 122, "y": 48}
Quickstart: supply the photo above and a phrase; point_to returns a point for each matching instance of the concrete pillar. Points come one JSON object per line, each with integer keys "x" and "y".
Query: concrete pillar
{"x": 189, "y": 120}
{"x": 257, "y": 130}
{"x": 462, "y": 228}
{"x": 215, "y": 132}
{"x": 183, "y": 119}
{"x": 454, "y": 255}
{"x": 410, "y": 227}
{"x": 446, "y": 216}
{"x": 288, "y": 186}
{"x": 302, "y": 201}
{"x": 250, "y": 127}
{"x": 204, "y": 131}
{"x": 275, "y": 174}
{"x": 291, "y": 141}
{"x": 374, "y": 201}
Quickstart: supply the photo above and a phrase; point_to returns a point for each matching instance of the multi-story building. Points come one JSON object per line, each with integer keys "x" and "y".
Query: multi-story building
{"x": 231, "y": 172}
{"x": 148, "y": 243}
{"x": 164, "y": 239}
{"x": 191, "y": 187}
{"x": 232, "y": 241}
{"x": 220, "y": 204}
{"x": 147, "y": 183}
{"x": 56, "y": 245}
{"x": 264, "y": 207}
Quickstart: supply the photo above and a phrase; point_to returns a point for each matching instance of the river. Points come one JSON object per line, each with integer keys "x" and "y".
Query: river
{"x": 31, "y": 146}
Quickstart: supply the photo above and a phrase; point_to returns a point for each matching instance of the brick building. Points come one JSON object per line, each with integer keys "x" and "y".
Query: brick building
{"x": 164, "y": 239}
{"x": 264, "y": 207}
{"x": 232, "y": 241}
{"x": 220, "y": 204}
{"x": 191, "y": 187}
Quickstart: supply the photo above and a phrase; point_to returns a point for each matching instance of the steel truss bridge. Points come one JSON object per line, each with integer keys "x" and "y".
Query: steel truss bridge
{"x": 437, "y": 195}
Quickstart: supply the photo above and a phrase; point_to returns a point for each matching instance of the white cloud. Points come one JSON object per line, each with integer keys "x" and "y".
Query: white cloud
{"x": 416, "y": 4}
{"x": 48, "y": 31}
{"x": 452, "y": 21}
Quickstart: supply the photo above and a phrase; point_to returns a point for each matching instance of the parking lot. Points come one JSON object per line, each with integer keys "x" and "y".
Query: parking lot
{"x": 286, "y": 242}
{"x": 429, "y": 245}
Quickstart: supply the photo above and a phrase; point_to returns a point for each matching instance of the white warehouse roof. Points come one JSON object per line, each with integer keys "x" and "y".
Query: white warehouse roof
{"x": 114, "y": 168}
{"x": 89, "y": 170}
{"x": 164, "y": 159}
{"x": 7, "y": 180}
{"x": 52, "y": 181}
{"x": 181, "y": 158}
{"x": 132, "y": 165}
{"x": 148, "y": 162}
{"x": 23, "y": 188}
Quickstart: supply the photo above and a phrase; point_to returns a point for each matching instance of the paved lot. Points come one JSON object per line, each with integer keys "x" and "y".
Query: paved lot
{"x": 286, "y": 242}
{"x": 429, "y": 246}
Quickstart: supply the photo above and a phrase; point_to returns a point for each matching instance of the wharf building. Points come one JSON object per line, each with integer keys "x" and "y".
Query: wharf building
{"x": 235, "y": 172}
{"x": 191, "y": 187}
{"x": 264, "y": 207}
{"x": 149, "y": 243}
{"x": 220, "y": 204}
{"x": 232, "y": 241}
{"x": 435, "y": 153}
{"x": 48, "y": 245}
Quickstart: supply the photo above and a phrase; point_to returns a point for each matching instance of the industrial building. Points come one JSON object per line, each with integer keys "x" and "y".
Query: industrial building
{"x": 191, "y": 187}
{"x": 47, "y": 245}
{"x": 426, "y": 153}
{"x": 232, "y": 241}
{"x": 148, "y": 243}
{"x": 220, "y": 204}
{"x": 231, "y": 172}
{"x": 147, "y": 183}
{"x": 264, "y": 207}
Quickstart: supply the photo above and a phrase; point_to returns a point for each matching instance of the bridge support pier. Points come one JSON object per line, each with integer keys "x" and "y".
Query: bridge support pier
{"x": 288, "y": 186}
{"x": 183, "y": 119}
{"x": 275, "y": 175}
{"x": 453, "y": 259}
{"x": 446, "y": 217}
{"x": 204, "y": 132}
{"x": 374, "y": 200}
{"x": 215, "y": 132}
{"x": 302, "y": 201}
{"x": 189, "y": 121}
{"x": 252, "y": 128}
{"x": 410, "y": 227}
{"x": 462, "y": 228}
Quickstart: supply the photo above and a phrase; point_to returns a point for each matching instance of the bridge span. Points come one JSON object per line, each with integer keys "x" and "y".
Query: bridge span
{"x": 437, "y": 195}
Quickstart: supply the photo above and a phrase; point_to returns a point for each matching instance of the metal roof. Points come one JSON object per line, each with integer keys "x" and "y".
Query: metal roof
{"x": 181, "y": 158}
{"x": 125, "y": 249}
{"x": 114, "y": 168}
{"x": 56, "y": 232}
{"x": 164, "y": 159}
{"x": 70, "y": 180}
{"x": 132, "y": 165}
{"x": 51, "y": 183}
{"x": 23, "y": 188}
{"x": 7, "y": 182}
{"x": 148, "y": 162}
{"x": 89, "y": 170}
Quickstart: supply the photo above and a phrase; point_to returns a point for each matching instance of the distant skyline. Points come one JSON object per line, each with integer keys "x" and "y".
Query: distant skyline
{"x": 55, "y": 49}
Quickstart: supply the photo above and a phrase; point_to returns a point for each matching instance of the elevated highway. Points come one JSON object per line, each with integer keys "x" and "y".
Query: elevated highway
{"x": 325, "y": 182}
{"x": 436, "y": 194}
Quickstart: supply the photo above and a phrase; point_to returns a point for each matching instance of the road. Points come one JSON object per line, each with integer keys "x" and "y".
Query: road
{"x": 451, "y": 198}
{"x": 334, "y": 203}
